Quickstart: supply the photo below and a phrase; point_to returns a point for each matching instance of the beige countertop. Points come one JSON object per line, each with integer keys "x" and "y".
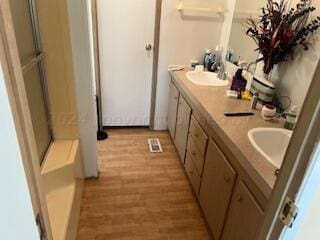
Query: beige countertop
{"x": 212, "y": 103}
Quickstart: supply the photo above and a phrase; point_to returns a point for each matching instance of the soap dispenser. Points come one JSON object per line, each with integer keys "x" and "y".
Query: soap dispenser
{"x": 239, "y": 83}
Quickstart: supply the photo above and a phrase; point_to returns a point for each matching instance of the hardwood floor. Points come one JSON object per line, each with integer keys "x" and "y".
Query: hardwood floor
{"x": 139, "y": 195}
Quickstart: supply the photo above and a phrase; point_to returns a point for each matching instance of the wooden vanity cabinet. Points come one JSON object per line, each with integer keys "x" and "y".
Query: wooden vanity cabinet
{"x": 245, "y": 216}
{"x": 231, "y": 210}
{"x": 217, "y": 185}
{"x": 182, "y": 127}
{"x": 172, "y": 109}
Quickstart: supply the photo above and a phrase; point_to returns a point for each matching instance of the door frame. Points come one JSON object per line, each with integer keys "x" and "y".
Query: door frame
{"x": 13, "y": 75}
{"x": 97, "y": 72}
{"x": 297, "y": 160}
{"x": 156, "y": 44}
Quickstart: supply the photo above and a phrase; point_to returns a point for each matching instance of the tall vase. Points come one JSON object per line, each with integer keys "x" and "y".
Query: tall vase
{"x": 262, "y": 84}
{"x": 260, "y": 73}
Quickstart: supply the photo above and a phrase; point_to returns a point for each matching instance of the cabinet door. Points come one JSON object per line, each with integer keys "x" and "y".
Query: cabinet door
{"x": 182, "y": 127}
{"x": 172, "y": 109}
{"x": 245, "y": 216}
{"x": 216, "y": 189}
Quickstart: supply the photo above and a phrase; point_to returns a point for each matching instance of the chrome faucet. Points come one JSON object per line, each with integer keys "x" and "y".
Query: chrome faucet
{"x": 250, "y": 65}
{"x": 220, "y": 69}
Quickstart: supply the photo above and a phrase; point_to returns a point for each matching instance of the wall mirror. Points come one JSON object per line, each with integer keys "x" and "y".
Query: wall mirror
{"x": 241, "y": 47}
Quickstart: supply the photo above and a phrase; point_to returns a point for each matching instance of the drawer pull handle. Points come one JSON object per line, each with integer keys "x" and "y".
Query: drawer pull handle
{"x": 191, "y": 172}
{"x": 239, "y": 198}
{"x": 194, "y": 153}
{"x": 227, "y": 179}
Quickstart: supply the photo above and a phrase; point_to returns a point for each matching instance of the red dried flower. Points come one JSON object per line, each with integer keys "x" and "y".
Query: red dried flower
{"x": 288, "y": 35}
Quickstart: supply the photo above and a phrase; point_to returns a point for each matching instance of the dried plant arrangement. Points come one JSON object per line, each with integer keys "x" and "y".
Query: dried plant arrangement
{"x": 282, "y": 30}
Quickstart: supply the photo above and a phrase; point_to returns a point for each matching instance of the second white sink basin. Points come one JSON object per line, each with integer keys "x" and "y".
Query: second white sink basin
{"x": 206, "y": 79}
{"x": 272, "y": 143}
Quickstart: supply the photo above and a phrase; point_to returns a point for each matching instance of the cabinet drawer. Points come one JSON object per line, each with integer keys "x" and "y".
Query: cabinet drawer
{"x": 199, "y": 136}
{"x": 192, "y": 174}
{"x": 195, "y": 155}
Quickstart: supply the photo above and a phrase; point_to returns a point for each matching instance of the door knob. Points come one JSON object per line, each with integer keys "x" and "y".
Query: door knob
{"x": 148, "y": 46}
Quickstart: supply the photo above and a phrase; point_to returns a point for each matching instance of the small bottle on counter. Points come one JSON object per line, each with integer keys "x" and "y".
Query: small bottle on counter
{"x": 268, "y": 112}
{"x": 255, "y": 100}
{"x": 239, "y": 95}
{"x": 246, "y": 95}
{"x": 239, "y": 83}
{"x": 291, "y": 118}
{"x": 233, "y": 94}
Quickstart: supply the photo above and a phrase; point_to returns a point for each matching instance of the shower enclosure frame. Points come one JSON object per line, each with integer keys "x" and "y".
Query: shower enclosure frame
{"x": 38, "y": 60}
{"x": 15, "y": 86}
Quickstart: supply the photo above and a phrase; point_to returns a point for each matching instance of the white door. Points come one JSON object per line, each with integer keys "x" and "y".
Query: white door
{"x": 307, "y": 222}
{"x": 125, "y": 28}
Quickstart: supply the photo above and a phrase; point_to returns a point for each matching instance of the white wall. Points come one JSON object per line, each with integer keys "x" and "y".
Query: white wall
{"x": 294, "y": 77}
{"x": 17, "y": 220}
{"x": 182, "y": 38}
{"x": 80, "y": 38}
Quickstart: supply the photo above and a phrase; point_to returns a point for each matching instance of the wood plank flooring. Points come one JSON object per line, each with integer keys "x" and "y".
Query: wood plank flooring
{"x": 139, "y": 195}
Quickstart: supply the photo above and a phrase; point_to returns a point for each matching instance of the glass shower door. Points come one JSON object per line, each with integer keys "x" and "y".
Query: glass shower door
{"x": 31, "y": 58}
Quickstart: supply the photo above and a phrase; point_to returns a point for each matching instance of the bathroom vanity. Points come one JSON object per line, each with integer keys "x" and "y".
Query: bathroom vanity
{"x": 231, "y": 180}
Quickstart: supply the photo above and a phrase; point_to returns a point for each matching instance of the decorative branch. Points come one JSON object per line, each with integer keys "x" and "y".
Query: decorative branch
{"x": 282, "y": 30}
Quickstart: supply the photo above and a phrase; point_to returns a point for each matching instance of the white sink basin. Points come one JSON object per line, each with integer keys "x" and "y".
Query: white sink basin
{"x": 206, "y": 79}
{"x": 272, "y": 143}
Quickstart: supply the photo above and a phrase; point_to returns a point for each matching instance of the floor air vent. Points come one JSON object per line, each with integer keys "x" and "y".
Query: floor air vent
{"x": 154, "y": 145}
